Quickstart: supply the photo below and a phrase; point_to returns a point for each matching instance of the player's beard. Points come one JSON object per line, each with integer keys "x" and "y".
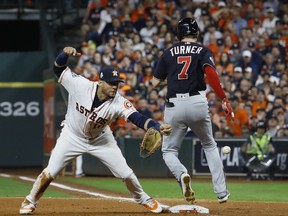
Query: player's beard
{"x": 112, "y": 94}
{"x": 108, "y": 91}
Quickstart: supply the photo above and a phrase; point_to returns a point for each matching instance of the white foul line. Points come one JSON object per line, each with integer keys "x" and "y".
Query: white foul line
{"x": 176, "y": 209}
{"x": 65, "y": 187}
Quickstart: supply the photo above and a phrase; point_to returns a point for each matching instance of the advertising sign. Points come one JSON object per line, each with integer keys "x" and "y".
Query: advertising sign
{"x": 232, "y": 162}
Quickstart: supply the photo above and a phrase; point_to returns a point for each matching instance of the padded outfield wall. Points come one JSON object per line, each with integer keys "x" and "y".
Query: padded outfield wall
{"x": 191, "y": 155}
{"x": 21, "y": 108}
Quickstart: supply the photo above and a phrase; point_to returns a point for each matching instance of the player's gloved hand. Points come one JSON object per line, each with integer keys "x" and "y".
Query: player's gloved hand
{"x": 165, "y": 129}
{"x": 227, "y": 109}
{"x": 71, "y": 51}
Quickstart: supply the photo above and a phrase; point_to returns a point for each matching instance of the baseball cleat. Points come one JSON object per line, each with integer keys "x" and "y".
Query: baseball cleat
{"x": 27, "y": 207}
{"x": 187, "y": 191}
{"x": 224, "y": 199}
{"x": 80, "y": 175}
{"x": 153, "y": 205}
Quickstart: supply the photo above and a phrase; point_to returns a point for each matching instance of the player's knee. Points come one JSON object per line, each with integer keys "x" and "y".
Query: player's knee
{"x": 170, "y": 154}
{"x": 127, "y": 175}
{"x": 209, "y": 146}
{"x": 48, "y": 174}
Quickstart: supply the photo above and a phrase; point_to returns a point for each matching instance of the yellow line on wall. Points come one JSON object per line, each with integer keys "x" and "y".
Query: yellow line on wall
{"x": 49, "y": 80}
{"x": 21, "y": 84}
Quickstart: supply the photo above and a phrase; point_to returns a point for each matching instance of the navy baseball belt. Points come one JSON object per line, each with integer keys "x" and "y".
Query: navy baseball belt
{"x": 171, "y": 104}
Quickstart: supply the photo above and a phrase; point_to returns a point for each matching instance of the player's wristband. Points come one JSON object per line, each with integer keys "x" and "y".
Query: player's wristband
{"x": 143, "y": 121}
{"x": 154, "y": 124}
{"x": 61, "y": 60}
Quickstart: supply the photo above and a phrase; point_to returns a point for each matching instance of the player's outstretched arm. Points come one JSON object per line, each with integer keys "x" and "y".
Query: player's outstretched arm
{"x": 214, "y": 82}
{"x": 61, "y": 60}
{"x": 144, "y": 122}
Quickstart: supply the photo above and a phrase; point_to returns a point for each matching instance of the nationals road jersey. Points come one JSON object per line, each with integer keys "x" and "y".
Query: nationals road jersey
{"x": 81, "y": 118}
{"x": 183, "y": 66}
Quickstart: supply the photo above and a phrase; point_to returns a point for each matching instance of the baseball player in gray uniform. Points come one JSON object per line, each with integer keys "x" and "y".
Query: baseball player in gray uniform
{"x": 183, "y": 68}
{"x": 92, "y": 106}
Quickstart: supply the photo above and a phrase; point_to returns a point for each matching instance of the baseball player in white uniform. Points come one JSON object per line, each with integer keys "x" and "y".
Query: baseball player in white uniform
{"x": 92, "y": 106}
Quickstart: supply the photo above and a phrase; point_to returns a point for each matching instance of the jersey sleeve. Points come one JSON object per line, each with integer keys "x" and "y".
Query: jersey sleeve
{"x": 126, "y": 108}
{"x": 160, "y": 71}
{"x": 71, "y": 81}
{"x": 207, "y": 59}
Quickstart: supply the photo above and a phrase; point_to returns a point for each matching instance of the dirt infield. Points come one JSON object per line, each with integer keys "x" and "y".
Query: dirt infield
{"x": 97, "y": 206}
{"x": 85, "y": 204}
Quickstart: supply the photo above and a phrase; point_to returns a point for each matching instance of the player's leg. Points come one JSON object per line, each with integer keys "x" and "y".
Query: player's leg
{"x": 65, "y": 149}
{"x": 108, "y": 152}
{"x": 79, "y": 164}
{"x": 170, "y": 149}
{"x": 203, "y": 131}
{"x": 30, "y": 202}
{"x": 172, "y": 144}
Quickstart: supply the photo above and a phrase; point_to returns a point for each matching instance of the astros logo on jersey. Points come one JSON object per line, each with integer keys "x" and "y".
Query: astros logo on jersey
{"x": 128, "y": 104}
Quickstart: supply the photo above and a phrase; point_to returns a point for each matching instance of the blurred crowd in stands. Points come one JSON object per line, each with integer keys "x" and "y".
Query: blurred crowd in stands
{"x": 249, "y": 40}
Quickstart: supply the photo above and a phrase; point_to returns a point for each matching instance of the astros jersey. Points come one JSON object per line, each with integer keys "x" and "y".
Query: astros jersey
{"x": 183, "y": 66}
{"x": 80, "y": 115}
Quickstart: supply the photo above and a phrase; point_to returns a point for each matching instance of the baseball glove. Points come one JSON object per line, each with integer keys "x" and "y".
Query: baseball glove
{"x": 151, "y": 142}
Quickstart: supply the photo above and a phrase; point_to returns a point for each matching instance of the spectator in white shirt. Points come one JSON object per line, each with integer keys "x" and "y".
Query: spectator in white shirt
{"x": 148, "y": 31}
{"x": 269, "y": 23}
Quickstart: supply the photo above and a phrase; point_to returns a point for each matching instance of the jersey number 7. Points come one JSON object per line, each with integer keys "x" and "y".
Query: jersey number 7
{"x": 187, "y": 61}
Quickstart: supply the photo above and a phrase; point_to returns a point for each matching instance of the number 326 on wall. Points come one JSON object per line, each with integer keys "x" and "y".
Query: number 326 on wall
{"x": 19, "y": 108}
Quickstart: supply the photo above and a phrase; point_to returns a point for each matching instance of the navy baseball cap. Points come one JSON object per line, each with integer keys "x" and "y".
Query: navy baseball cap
{"x": 109, "y": 74}
{"x": 275, "y": 36}
{"x": 235, "y": 46}
{"x": 280, "y": 61}
{"x": 220, "y": 42}
{"x": 261, "y": 124}
{"x": 256, "y": 21}
{"x": 204, "y": 12}
{"x": 251, "y": 44}
{"x": 233, "y": 98}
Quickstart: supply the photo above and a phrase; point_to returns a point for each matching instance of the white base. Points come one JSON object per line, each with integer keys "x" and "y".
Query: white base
{"x": 185, "y": 209}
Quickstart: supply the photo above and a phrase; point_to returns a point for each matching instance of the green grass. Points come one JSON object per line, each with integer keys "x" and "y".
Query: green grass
{"x": 160, "y": 188}
{"x": 243, "y": 191}
{"x": 255, "y": 191}
{"x": 13, "y": 188}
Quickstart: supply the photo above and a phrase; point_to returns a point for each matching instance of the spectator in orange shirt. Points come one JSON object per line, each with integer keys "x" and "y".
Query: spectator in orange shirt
{"x": 212, "y": 44}
{"x": 224, "y": 61}
{"x": 224, "y": 19}
{"x": 167, "y": 7}
{"x": 138, "y": 13}
{"x": 147, "y": 74}
{"x": 241, "y": 119}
